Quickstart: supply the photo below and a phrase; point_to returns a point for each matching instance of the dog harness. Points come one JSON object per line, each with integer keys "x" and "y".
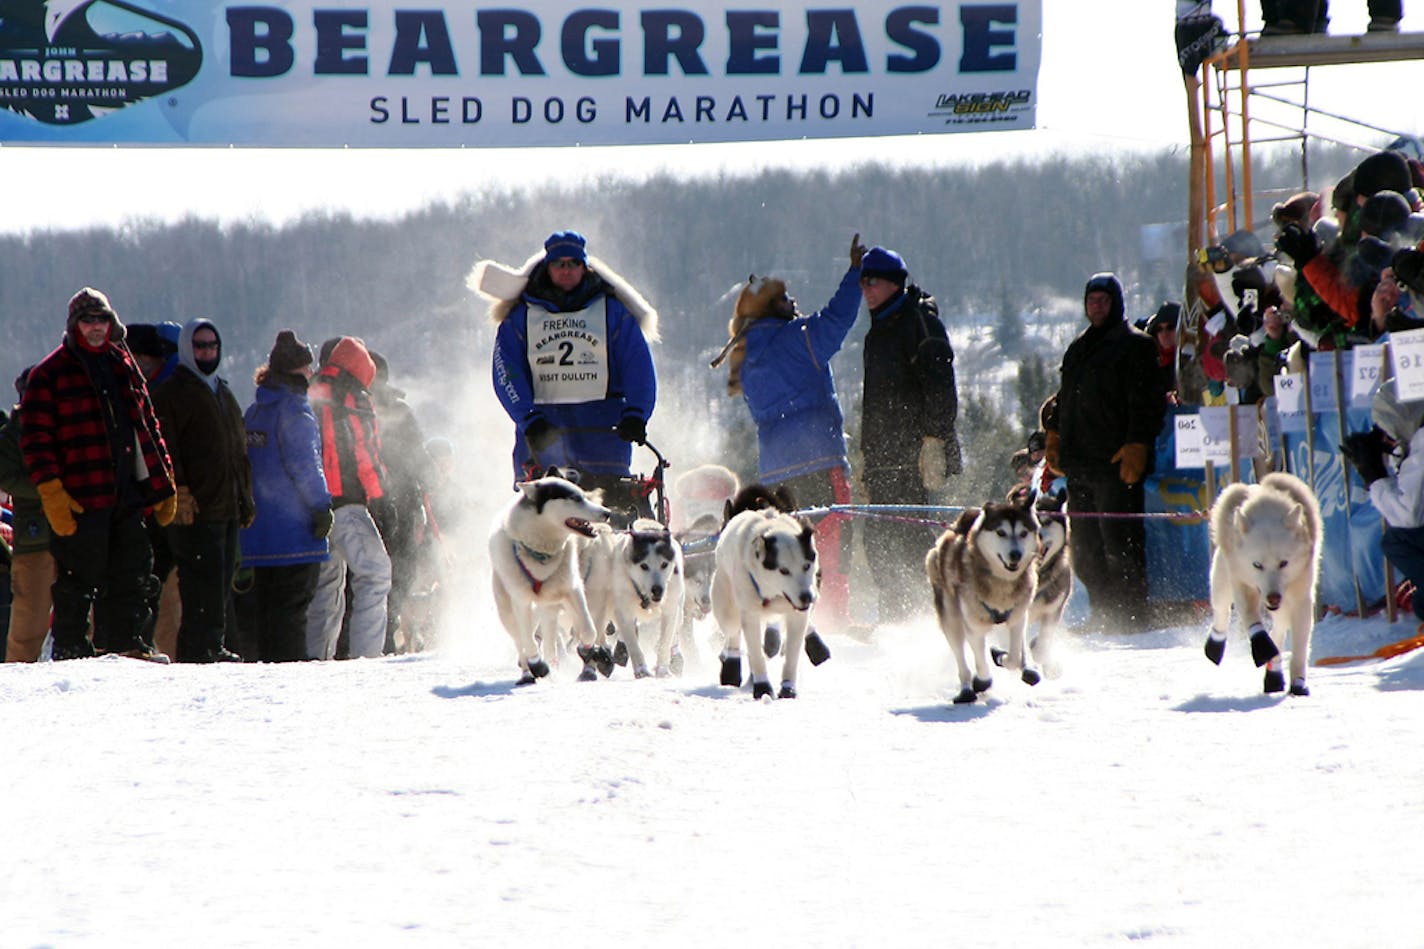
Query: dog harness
{"x": 996, "y": 616}
{"x": 757, "y": 589}
{"x": 537, "y": 556}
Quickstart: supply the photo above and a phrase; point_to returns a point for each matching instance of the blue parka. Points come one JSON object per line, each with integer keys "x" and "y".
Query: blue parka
{"x": 788, "y": 386}
{"x": 288, "y": 485}
{"x": 587, "y": 440}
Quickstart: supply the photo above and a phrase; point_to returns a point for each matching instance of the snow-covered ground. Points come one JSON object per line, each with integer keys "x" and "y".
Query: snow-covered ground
{"x": 1144, "y": 796}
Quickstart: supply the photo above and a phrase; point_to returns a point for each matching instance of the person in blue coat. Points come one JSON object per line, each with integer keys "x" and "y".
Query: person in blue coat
{"x": 571, "y": 364}
{"x": 286, "y": 543}
{"x": 780, "y": 363}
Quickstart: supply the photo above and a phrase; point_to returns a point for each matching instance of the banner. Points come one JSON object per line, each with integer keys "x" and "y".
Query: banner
{"x": 530, "y": 73}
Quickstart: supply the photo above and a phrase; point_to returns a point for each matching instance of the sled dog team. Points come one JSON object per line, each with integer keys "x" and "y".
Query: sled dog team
{"x": 559, "y": 569}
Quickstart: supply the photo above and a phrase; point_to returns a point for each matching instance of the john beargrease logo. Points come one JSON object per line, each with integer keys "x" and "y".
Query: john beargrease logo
{"x": 64, "y": 62}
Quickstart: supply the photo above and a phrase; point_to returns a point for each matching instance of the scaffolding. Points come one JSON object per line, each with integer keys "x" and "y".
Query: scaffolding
{"x": 1233, "y": 108}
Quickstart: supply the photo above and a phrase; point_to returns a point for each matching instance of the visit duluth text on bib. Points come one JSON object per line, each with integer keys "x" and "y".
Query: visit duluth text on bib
{"x": 568, "y": 354}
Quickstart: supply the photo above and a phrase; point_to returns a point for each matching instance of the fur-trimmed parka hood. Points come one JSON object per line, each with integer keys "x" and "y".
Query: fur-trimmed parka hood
{"x": 504, "y": 287}
{"x": 754, "y": 302}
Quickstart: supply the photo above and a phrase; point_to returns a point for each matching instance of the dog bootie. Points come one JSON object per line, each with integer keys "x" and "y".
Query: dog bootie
{"x": 731, "y": 670}
{"x": 1216, "y": 646}
{"x": 771, "y": 642}
{"x": 966, "y": 696}
{"x": 816, "y": 649}
{"x": 1263, "y": 647}
{"x": 761, "y": 690}
{"x": 1298, "y": 687}
{"x": 788, "y": 691}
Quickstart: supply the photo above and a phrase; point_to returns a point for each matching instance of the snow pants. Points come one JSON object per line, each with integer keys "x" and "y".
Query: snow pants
{"x": 896, "y": 549}
{"x": 206, "y": 555}
{"x": 282, "y": 598}
{"x": 105, "y": 565}
{"x": 1109, "y": 553}
{"x": 31, "y": 576}
{"x": 822, "y": 489}
{"x": 357, "y": 549}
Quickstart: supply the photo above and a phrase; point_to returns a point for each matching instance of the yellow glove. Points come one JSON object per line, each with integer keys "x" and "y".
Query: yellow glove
{"x": 932, "y": 463}
{"x": 1052, "y": 443}
{"x": 59, "y": 507}
{"x": 857, "y": 251}
{"x": 186, "y": 510}
{"x": 163, "y": 512}
{"x": 1132, "y": 462}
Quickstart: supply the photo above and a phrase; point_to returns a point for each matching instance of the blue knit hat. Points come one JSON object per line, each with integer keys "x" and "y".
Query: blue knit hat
{"x": 566, "y": 244}
{"x": 881, "y": 262}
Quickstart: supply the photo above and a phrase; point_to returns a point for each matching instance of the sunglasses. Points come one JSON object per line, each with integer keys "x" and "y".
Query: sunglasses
{"x": 93, "y": 318}
{"x": 565, "y": 263}
{"x": 872, "y": 281}
{"x": 211, "y": 345}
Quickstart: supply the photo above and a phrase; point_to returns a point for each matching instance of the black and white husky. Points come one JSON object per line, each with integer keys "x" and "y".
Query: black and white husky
{"x": 983, "y": 574}
{"x": 765, "y": 570}
{"x": 535, "y": 570}
{"x": 636, "y": 576}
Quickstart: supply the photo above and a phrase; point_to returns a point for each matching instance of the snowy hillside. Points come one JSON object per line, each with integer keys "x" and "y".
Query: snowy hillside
{"x": 1146, "y": 795}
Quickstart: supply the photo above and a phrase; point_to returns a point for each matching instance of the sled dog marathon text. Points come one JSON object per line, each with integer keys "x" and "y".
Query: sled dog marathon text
{"x": 381, "y": 74}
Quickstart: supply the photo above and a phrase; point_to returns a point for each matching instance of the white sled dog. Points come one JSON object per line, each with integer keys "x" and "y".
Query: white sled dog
{"x": 535, "y": 571}
{"x": 983, "y": 574}
{"x": 765, "y": 569}
{"x": 632, "y": 576}
{"x": 1267, "y": 539}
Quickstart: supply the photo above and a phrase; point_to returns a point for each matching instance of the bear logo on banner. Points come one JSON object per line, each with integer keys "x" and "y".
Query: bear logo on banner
{"x": 64, "y": 63}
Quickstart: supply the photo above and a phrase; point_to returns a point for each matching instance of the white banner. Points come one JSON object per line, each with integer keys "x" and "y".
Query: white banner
{"x": 531, "y": 73}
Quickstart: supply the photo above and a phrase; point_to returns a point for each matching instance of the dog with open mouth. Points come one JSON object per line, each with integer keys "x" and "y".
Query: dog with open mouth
{"x": 534, "y": 565}
{"x": 983, "y": 572}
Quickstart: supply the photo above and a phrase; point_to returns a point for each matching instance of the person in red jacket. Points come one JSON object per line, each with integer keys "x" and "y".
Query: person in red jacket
{"x": 356, "y": 477}
{"x": 92, "y": 444}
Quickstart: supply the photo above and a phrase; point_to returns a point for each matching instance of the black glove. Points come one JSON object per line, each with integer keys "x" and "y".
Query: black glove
{"x": 383, "y": 512}
{"x": 633, "y": 429}
{"x": 1365, "y": 451}
{"x": 1409, "y": 269}
{"x": 1298, "y": 244}
{"x": 539, "y": 435}
{"x": 321, "y": 523}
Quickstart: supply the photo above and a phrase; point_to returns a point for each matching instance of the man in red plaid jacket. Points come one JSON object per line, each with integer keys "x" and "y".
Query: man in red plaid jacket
{"x": 94, "y": 451}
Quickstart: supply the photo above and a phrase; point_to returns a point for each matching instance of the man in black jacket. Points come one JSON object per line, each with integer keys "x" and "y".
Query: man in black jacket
{"x": 908, "y": 442}
{"x": 1101, "y": 428}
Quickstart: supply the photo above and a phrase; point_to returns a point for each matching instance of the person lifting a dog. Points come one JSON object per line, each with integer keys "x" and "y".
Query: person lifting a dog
{"x": 571, "y": 366}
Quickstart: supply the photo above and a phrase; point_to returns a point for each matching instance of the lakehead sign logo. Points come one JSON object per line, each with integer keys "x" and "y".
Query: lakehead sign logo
{"x": 509, "y": 74}
{"x": 64, "y": 63}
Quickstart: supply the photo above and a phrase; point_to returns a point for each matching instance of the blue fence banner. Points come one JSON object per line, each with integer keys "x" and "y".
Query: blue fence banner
{"x": 338, "y": 73}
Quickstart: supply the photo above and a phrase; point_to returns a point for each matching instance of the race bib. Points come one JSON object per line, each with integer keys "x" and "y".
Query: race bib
{"x": 568, "y": 354}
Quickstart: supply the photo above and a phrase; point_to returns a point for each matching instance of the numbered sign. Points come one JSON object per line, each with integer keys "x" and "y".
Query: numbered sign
{"x": 1408, "y": 349}
{"x": 1290, "y": 402}
{"x": 1248, "y": 431}
{"x": 1322, "y": 382}
{"x": 1366, "y": 373}
{"x": 1270, "y": 417}
{"x": 1188, "y": 441}
{"x": 1216, "y": 433}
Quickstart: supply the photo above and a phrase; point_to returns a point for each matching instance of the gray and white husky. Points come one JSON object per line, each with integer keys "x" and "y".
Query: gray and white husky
{"x": 535, "y": 571}
{"x": 765, "y": 570}
{"x": 632, "y": 577}
{"x": 983, "y": 572}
